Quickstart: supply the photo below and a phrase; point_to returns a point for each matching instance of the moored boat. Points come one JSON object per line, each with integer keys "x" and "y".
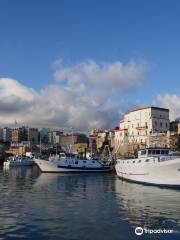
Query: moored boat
{"x": 65, "y": 164}
{"x": 157, "y": 166}
{"x": 18, "y": 161}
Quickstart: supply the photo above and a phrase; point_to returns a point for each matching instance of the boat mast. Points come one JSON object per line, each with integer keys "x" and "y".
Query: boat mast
{"x": 72, "y": 141}
{"x": 40, "y": 143}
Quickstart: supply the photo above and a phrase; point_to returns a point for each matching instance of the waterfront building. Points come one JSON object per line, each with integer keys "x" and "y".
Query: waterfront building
{"x": 25, "y": 134}
{"x": 111, "y": 137}
{"x": 18, "y": 150}
{"x": 7, "y": 134}
{"x": 32, "y": 136}
{"x": 44, "y": 135}
{"x": 1, "y": 134}
{"x": 98, "y": 139}
{"x": 175, "y": 126}
{"x": 101, "y": 139}
{"x": 139, "y": 124}
{"x": 92, "y": 140}
{"x": 54, "y": 137}
{"x": 80, "y": 148}
{"x": 19, "y": 135}
{"x": 69, "y": 141}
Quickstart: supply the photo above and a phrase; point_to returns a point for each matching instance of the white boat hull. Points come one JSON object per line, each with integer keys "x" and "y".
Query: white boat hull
{"x": 165, "y": 173}
{"x": 50, "y": 167}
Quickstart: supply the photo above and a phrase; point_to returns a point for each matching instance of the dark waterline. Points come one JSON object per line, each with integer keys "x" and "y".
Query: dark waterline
{"x": 98, "y": 206}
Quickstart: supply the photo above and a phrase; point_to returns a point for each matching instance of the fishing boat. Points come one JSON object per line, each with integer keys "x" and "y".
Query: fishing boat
{"x": 65, "y": 164}
{"x": 157, "y": 166}
{"x": 18, "y": 161}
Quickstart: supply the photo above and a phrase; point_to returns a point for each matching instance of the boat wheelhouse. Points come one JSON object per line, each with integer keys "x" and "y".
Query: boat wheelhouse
{"x": 149, "y": 152}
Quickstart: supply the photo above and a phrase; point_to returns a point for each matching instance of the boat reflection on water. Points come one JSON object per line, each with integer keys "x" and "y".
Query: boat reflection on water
{"x": 22, "y": 172}
{"x": 73, "y": 182}
{"x": 148, "y": 206}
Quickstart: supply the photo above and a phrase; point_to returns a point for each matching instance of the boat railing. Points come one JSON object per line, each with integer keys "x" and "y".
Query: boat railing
{"x": 149, "y": 159}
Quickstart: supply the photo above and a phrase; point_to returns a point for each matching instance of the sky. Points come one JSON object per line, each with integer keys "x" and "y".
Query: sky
{"x": 82, "y": 64}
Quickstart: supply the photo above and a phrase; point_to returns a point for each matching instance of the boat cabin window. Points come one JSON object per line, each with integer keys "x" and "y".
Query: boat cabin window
{"x": 76, "y": 162}
{"x": 164, "y": 152}
{"x": 153, "y": 152}
{"x": 147, "y": 160}
{"x": 157, "y": 152}
{"x": 139, "y": 161}
{"x": 84, "y": 161}
{"x": 143, "y": 152}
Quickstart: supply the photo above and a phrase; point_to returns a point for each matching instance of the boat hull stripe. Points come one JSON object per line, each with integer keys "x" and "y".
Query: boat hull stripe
{"x": 84, "y": 168}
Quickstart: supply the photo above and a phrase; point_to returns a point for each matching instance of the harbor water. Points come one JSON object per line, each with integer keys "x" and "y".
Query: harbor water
{"x": 83, "y": 206}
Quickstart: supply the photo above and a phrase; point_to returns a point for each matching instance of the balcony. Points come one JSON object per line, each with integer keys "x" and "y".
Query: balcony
{"x": 142, "y": 127}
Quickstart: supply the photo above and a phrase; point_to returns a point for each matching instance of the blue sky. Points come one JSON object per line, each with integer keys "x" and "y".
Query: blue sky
{"x": 33, "y": 34}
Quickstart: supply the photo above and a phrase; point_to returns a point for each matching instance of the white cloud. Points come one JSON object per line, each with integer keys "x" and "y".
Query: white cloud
{"x": 100, "y": 79}
{"x": 171, "y": 101}
{"x": 82, "y": 96}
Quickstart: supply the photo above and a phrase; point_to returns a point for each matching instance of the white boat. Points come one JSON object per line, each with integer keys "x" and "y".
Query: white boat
{"x": 157, "y": 166}
{"x": 62, "y": 163}
{"x": 18, "y": 161}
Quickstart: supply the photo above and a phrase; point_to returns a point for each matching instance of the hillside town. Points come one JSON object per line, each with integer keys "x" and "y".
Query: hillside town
{"x": 139, "y": 128}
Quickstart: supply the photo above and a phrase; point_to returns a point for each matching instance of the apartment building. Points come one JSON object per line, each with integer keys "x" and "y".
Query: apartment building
{"x": 32, "y": 135}
{"x": 67, "y": 141}
{"x": 7, "y": 134}
{"x": 54, "y": 136}
{"x": 19, "y": 135}
{"x": 25, "y": 134}
{"x": 137, "y": 125}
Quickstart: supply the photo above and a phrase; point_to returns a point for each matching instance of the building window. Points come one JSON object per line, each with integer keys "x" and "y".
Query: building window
{"x": 161, "y": 124}
{"x": 155, "y": 123}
